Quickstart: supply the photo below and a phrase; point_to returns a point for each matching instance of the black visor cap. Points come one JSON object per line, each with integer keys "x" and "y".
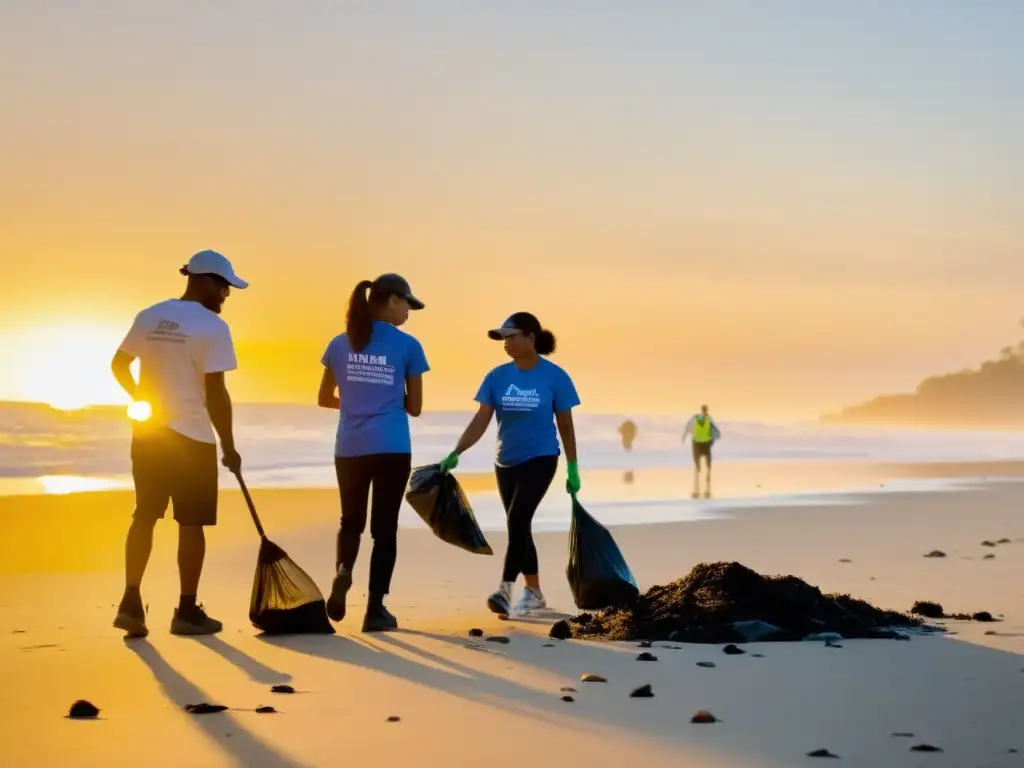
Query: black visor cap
{"x": 520, "y": 322}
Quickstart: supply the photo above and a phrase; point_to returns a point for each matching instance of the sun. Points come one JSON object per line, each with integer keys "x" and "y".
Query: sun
{"x": 140, "y": 410}
{"x": 66, "y": 366}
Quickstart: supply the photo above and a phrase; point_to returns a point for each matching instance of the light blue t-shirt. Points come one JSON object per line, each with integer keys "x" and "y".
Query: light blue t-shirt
{"x": 371, "y": 385}
{"x": 525, "y": 403}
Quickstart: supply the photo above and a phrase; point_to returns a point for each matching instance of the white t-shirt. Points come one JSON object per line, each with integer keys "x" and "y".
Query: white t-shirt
{"x": 178, "y": 343}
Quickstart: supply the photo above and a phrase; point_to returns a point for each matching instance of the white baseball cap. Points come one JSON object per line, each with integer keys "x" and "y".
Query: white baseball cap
{"x": 212, "y": 263}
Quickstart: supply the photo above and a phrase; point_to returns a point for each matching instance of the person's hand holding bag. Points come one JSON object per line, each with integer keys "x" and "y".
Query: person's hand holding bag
{"x": 572, "y": 482}
{"x": 449, "y": 462}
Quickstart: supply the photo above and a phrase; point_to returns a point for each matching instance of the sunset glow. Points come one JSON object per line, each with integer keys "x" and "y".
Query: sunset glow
{"x": 779, "y": 211}
{"x": 58, "y": 485}
{"x": 139, "y": 410}
{"x": 66, "y": 366}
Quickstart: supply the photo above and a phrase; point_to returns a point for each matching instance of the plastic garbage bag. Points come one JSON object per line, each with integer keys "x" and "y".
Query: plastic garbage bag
{"x": 439, "y": 499}
{"x": 597, "y": 572}
{"x": 285, "y": 600}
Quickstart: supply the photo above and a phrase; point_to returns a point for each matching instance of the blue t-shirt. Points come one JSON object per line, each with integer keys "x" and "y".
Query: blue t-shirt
{"x": 526, "y": 403}
{"x": 371, "y": 385}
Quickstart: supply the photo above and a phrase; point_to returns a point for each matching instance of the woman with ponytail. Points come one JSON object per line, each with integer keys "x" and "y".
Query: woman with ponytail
{"x": 531, "y": 396}
{"x": 373, "y": 375}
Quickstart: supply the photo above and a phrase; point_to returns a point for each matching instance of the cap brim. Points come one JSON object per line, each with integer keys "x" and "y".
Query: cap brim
{"x": 415, "y": 303}
{"x": 233, "y": 280}
{"x": 498, "y": 334}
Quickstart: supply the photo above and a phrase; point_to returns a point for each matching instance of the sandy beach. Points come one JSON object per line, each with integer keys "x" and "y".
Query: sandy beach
{"x": 748, "y": 271}
{"x": 463, "y": 702}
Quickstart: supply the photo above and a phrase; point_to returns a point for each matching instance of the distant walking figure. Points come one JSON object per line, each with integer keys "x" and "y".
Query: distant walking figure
{"x": 705, "y": 432}
{"x": 628, "y": 431}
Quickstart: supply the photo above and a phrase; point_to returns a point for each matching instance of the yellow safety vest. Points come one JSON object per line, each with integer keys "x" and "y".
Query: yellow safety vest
{"x": 702, "y": 430}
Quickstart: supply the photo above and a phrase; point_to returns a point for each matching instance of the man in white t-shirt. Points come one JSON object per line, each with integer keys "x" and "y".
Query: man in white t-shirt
{"x": 184, "y": 348}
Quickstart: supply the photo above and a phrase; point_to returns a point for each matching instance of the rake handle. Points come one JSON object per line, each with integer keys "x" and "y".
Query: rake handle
{"x": 252, "y": 507}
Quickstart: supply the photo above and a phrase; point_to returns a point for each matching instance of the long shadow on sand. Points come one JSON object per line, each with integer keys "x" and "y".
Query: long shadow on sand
{"x": 235, "y": 741}
{"x": 431, "y": 670}
{"x": 258, "y": 671}
{"x": 849, "y": 699}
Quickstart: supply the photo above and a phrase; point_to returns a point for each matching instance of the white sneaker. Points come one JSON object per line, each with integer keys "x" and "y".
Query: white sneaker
{"x": 500, "y": 601}
{"x": 532, "y": 600}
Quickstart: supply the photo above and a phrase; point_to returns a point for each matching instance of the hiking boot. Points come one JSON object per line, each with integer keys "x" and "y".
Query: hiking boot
{"x": 532, "y": 600}
{"x": 379, "y": 619}
{"x": 194, "y": 621}
{"x": 339, "y": 591}
{"x": 499, "y": 601}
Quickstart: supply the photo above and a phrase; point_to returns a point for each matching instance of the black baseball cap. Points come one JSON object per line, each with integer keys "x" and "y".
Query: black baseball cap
{"x": 520, "y": 322}
{"x": 392, "y": 284}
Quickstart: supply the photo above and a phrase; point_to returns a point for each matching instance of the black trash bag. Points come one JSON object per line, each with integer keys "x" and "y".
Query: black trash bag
{"x": 439, "y": 499}
{"x": 285, "y": 600}
{"x": 597, "y": 572}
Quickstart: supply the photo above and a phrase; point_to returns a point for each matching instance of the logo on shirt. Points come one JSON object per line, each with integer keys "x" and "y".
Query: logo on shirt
{"x": 514, "y": 391}
{"x": 516, "y": 399}
{"x": 358, "y": 357}
{"x": 369, "y": 369}
{"x": 167, "y": 332}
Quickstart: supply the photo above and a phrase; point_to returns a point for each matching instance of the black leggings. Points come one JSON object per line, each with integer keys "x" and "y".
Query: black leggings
{"x": 522, "y": 488}
{"x": 389, "y": 474}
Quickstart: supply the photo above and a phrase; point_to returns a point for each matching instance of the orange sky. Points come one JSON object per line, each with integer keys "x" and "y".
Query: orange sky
{"x": 703, "y": 209}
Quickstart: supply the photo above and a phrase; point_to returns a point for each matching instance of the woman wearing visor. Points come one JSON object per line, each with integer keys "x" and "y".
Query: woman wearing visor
{"x": 530, "y": 396}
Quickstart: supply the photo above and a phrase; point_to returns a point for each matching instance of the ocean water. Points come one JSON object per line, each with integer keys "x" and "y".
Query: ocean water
{"x": 756, "y": 464}
{"x": 46, "y": 450}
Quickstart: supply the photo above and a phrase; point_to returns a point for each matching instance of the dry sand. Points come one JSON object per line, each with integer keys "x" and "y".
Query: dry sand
{"x": 500, "y": 704}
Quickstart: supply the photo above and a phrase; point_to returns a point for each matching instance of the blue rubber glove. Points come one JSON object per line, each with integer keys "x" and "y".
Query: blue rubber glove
{"x": 572, "y": 483}
{"x": 449, "y": 462}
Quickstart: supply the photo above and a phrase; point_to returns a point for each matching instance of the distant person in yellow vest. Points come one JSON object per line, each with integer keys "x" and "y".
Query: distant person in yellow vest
{"x": 705, "y": 432}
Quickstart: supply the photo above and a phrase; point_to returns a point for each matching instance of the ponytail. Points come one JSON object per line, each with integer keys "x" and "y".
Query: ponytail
{"x": 359, "y": 321}
{"x": 544, "y": 342}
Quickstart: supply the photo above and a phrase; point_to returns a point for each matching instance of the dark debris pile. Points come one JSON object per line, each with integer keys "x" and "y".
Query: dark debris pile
{"x": 704, "y": 606}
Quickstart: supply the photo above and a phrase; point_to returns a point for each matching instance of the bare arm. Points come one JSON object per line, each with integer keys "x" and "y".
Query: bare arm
{"x": 688, "y": 430}
{"x": 121, "y": 368}
{"x": 568, "y": 434}
{"x": 328, "y": 395}
{"x": 475, "y": 430}
{"x": 414, "y": 395}
{"x": 218, "y": 404}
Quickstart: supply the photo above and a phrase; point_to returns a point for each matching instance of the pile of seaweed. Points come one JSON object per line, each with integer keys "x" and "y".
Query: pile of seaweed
{"x": 729, "y": 603}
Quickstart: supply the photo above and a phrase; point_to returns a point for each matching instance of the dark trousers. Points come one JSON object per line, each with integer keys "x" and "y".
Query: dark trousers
{"x": 522, "y": 488}
{"x": 699, "y": 450}
{"x": 388, "y": 473}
